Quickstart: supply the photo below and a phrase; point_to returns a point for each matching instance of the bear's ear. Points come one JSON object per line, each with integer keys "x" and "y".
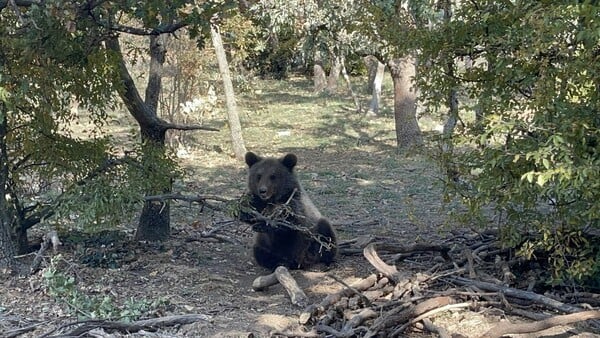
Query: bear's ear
{"x": 289, "y": 161}
{"x": 252, "y": 158}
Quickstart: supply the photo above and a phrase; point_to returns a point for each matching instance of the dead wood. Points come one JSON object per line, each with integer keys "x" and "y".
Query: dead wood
{"x": 358, "y": 293}
{"x": 470, "y": 263}
{"x": 428, "y": 314}
{"x": 399, "y": 314}
{"x": 516, "y": 293}
{"x": 442, "y": 332}
{"x": 203, "y": 200}
{"x": 315, "y": 309}
{"x": 415, "y": 248}
{"x": 357, "y": 246}
{"x": 295, "y": 334}
{"x": 387, "y": 270}
{"x": 407, "y": 314}
{"x": 50, "y": 238}
{"x": 282, "y": 275}
{"x": 22, "y": 330}
{"x": 505, "y": 328}
{"x": 350, "y": 327}
{"x": 146, "y": 324}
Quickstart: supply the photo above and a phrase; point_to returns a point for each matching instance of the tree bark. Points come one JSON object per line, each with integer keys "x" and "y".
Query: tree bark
{"x": 235, "y": 127}
{"x": 452, "y": 103}
{"x": 154, "y": 223}
{"x": 376, "y": 88}
{"x": 334, "y": 73}
{"x": 7, "y": 246}
{"x": 319, "y": 79}
{"x": 371, "y": 64}
{"x": 408, "y": 134}
{"x": 357, "y": 104}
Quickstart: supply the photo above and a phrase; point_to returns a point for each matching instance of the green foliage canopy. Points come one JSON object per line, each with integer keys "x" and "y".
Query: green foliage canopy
{"x": 55, "y": 74}
{"x": 534, "y": 157}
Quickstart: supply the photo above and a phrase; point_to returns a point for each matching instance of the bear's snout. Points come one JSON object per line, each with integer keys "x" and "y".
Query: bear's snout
{"x": 264, "y": 192}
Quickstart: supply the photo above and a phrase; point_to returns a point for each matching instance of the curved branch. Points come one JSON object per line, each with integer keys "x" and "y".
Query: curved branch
{"x": 505, "y": 328}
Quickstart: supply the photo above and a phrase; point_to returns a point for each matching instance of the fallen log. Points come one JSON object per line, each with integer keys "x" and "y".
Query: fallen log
{"x": 282, "y": 275}
{"x": 505, "y": 328}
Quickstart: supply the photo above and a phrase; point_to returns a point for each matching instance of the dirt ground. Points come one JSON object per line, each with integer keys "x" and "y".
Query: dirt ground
{"x": 347, "y": 164}
{"x": 189, "y": 274}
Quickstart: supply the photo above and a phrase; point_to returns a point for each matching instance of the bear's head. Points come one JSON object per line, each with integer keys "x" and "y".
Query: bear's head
{"x": 271, "y": 179}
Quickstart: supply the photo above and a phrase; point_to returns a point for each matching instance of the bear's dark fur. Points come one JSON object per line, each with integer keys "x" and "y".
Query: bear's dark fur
{"x": 273, "y": 186}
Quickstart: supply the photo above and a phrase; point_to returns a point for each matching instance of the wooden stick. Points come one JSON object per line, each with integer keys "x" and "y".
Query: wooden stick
{"x": 428, "y": 314}
{"x": 282, "y": 275}
{"x": 389, "y": 271}
{"x": 314, "y": 309}
{"x": 505, "y": 328}
{"x": 349, "y": 329}
{"x": 442, "y": 332}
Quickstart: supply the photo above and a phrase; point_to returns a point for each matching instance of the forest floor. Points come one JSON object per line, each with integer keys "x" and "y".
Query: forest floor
{"x": 349, "y": 166}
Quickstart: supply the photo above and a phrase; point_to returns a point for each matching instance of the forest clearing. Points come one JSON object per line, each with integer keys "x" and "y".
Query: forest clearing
{"x": 276, "y": 168}
{"x": 350, "y": 168}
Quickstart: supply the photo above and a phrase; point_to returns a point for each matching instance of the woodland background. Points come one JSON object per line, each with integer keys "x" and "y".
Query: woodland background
{"x": 470, "y": 125}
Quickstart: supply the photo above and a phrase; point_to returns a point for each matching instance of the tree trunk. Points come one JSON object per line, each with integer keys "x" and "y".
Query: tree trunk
{"x": 371, "y": 63}
{"x": 376, "y": 86}
{"x": 154, "y": 222}
{"x": 235, "y": 127}
{"x": 7, "y": 246}
{"x": 334, "y": 73}
{"x": 408, "y": 134}
{"x": 347, "y": 78}
{"x": 319, "y": 79}
{"x": 452, "y": 103}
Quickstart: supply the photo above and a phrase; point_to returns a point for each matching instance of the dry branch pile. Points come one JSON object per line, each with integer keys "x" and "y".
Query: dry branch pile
{"x": 392, "y": 304}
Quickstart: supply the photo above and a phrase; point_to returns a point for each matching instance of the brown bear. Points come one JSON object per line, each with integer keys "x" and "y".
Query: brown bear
{"x": 290, "y": 230}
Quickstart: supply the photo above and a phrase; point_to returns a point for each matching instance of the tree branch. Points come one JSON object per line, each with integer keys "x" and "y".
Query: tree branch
{"x": 168, "y": 125}
{"x": 505, "y": 328}
{"x": 128, "y": 91}
{"x": 200, "y": 199}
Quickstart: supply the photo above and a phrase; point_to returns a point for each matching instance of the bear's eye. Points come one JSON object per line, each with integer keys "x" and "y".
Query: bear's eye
{"x": 272, "y": 177}
{"x": 258, "y": 176}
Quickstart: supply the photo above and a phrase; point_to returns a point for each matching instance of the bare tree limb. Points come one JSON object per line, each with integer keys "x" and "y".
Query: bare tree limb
{"x": 505, "y": 328}
{"x": 389, "y": 271}
{"x": 131, "y": 327}
{"x": 512, "y": 292}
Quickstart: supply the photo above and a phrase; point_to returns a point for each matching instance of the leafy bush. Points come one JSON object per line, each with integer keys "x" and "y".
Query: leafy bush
{"x": 63, "y": 288}
{"x": 531, "y": 157}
